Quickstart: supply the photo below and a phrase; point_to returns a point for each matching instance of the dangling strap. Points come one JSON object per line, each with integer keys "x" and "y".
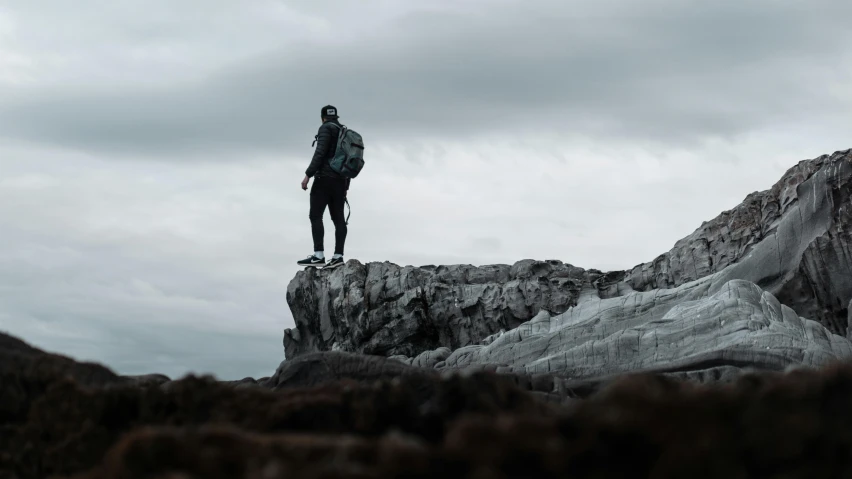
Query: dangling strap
{"x": 350, "y": 210}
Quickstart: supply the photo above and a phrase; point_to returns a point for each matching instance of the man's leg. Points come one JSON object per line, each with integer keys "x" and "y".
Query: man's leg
{"x": 337, "y": 198}
{"x": 319, "y": 200}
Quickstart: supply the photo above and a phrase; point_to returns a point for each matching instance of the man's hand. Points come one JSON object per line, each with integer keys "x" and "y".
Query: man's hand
{"x": 305, "y": 183}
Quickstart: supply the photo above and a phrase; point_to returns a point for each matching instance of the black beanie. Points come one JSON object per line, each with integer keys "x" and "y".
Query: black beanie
{"x": 329, "y": 111}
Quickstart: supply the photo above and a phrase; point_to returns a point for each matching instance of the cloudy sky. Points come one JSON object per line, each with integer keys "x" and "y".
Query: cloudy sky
{"x": 151, "y": 151}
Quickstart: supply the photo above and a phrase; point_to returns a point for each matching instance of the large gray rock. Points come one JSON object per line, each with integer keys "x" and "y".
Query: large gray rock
{"x": 381, "y": 308}
{"x": 804, "y": 256}
{"x": 792, "y": 241}
{"x": 739, "y": 326}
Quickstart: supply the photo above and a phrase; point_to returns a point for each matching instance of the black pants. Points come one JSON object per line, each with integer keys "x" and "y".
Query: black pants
{"x": 330, "y": 192}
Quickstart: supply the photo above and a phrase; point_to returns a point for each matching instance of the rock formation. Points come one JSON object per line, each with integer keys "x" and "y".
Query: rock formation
{"x": 739, "y": 326}
{"x": 733, "y": 294}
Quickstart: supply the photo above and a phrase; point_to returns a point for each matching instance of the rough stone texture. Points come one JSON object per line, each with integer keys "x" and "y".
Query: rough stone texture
{"x": 383, "y": 309}
{"x": 804, "y": 216}
{"x": 793, "y": 241}
{"x": 426, "y": 359}
{"x": 739, "y": 326}
{"x": 804, "y": 256}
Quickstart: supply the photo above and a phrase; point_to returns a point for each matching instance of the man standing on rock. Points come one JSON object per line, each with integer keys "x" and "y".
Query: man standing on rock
{"x": 329, "y": 190}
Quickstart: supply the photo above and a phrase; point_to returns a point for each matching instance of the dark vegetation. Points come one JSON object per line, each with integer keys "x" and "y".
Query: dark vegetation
{"x": 59, "y": 418}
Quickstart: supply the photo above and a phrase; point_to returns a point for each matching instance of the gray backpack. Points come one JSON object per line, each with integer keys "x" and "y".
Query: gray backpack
{"x": 348, "y": 158}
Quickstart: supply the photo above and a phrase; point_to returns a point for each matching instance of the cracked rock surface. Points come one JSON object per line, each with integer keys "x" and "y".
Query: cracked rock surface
{"x": 739, "y": 326}
{"x": 741, "y": 283}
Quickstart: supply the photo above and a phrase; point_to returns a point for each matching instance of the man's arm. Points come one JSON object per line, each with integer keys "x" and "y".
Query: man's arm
{"x": 324, "y": 143}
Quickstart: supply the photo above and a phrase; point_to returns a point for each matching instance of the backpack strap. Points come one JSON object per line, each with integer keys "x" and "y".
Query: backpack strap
{"x": 350, "y": 210}
{"x": 341, "y": 133}
{"x": 316, "y": 137}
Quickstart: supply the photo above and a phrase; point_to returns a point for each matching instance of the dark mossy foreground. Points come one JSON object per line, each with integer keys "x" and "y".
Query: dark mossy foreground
{"x": 794, "y": 425}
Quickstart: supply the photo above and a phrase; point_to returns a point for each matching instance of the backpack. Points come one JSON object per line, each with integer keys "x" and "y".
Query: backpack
{"x": 348, "y": 159}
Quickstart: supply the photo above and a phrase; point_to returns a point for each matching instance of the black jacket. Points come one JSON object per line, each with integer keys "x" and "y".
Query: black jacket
{"x": 327, "y": 137}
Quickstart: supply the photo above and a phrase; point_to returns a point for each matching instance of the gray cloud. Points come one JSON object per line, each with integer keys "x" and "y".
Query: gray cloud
{"x": 663, "y": 70}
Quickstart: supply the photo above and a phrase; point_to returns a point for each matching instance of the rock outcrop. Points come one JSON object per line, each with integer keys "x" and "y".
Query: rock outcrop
{"x": 383, "y": 309}
{"x": 698, "y": 309}
{"x": 793, "y": 240}
{"x": 739, "y": 326}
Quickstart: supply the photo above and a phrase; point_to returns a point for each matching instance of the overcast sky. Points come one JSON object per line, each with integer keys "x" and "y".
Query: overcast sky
{"x": 151, "y": 151}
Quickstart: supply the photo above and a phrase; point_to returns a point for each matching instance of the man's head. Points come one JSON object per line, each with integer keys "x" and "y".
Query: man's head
{"x": 328, "y": 113}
